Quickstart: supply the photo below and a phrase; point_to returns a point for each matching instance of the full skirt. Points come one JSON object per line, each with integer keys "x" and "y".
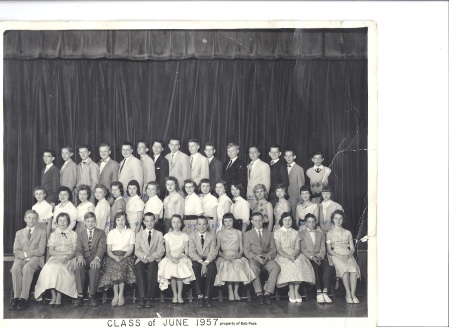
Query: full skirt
{"x": 114, "y": 272}
{"x": 167, "y": 269}
{"x": 236, "y": 270}
{"x": 299, "y": 270}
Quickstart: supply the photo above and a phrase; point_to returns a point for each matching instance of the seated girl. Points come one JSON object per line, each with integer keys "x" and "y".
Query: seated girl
{"x": 58, "y": 274}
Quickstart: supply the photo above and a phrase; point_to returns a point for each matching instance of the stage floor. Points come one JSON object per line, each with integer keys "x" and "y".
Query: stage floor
{"x": 225, "y": 309}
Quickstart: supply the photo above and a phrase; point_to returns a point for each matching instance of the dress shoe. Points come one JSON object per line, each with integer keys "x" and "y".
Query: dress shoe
{"x": 114, "y": 302}
{"x": 93, "y": 301}
{"x": 298, "y": 299}
{"x": 121, "y": 302}
{"x": 22, "y": 304}
{"x": 78, "y": 302}
{"x": 207, "y": 303}
{"x": 13, "y": 305}
{"x": 260, "y": 299}
{"x": 58, "y": 305}
{"x": 267, "y": 299}
{"x": 327, "y": 299}
{"x": 320, "y": 298}
{"x": 201, "y": 302}
{"x": 349, "y": 300}
{"x": 354, "y": 300}
{"x": 149, "y": 304}
{"x": 141, "y": 304}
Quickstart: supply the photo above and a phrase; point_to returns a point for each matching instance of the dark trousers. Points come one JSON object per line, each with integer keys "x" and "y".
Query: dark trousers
{"x": 203, "y": 284}
{"x": 321, "y": 274}
{"x": 146, "y": 278}
{"x": 80, "y": 276}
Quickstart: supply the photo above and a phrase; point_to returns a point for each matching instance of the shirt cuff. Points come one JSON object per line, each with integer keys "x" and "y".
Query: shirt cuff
{"x": 207, "y": 261}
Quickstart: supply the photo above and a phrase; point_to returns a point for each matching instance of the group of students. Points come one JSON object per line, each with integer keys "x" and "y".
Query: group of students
{"x": 173, "y": 235}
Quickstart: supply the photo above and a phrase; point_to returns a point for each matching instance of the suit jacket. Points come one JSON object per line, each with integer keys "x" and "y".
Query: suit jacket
{"x": 50, "y": 181}
{"x": 215, "y": 171}
{"x": 149, "y": 174}
{"x": 296, "y": 181}
{"x": 35, "y": 247}
{"x": 279, "y": 174}
{"x": 235, "y": 174}
{"x": 131, "y": 170}
{"x": 252, "y": 246}
{"x": 260, "y": 174}
{"x": 155, "y": 250}
{"x": 88, "y": 175}
{"x": 109, "y": 173}
{"x": 98, "y": 244}
{"x": 162, "y": 168}
{"x": 308, "y": 248}
{"x": 196, "y": 251}
{"x": 199, "y": 169}
{"x": 68, "y": 174}
{"x": 180, "y": 168}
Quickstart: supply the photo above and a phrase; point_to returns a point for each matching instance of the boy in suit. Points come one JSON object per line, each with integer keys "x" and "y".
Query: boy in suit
{"x": 69, "y": 169}
{"x": 90, "y": 249}
{"x": 215, "y": 165}
{"x": 29, "y": 249}
{"x": 149, "y": 171}
{"x": 108, "y": 168}
{"x": 314, "y": 248}
{"x": 326, "y": 208}
{"x": 50, "y": 177}
{"x": 318, "y": 175}
{"x": 179, "y": 162}
{"x": 295, "y": 179}
{"x": 279, "y": 174}
{"x": 149, "y": 251}
{"x": 234, "y": 171}
{"x": 130, "y": 167}
{"x": 258, "y": 173}
{"x": 199, "y": 166}
{"x": 260, "y": 249}
{"x": 161, "y": 166}
{"x": 88, "y": 172}
{"x": 203, "y": 251}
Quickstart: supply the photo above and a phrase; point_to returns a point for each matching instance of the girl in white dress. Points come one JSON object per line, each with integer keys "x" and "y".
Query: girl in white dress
{"x": 85, "y": 206}
{"x": 134, "y": 206}
{"x": 102, "y": 209}
{"x": 176, "y": 267}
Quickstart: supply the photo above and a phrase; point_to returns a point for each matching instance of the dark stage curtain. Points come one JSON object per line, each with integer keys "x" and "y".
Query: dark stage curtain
{"x": 307, "y": 105}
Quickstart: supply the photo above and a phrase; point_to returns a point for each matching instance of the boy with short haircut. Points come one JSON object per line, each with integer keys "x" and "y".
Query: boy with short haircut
{"x": 215, "y": 165}
{"x": 295, "y": 178}
{"x": 149, "y": 251}
{"x": 160, "y": 165}
{"x": 50, "y": 177}
{"x": 149, "y": 171}
{"x": 199, "y": 166}
{"x": 90, "y": 250}
{"x": 130, "y": 167}
{"x": 314, "y": 248}
{"x": 108, "y": 167}
{"x": 318, "y": 175}
{"x": 28, "y": 249}
{"x": 179, "y": 163}
{"x": 203, "y": 251}
{"x": 88, "y": 172}
{"x": 43, "y": 208}
{"x": 278, "y": 173}
{"x": 326, "y": 208}
{"x": 69, "y": 169}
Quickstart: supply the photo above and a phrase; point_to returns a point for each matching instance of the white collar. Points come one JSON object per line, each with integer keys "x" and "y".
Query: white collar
{"x": 259, "y": 230}
{"x": 274, "y": 160}
{"x": 49, "y": 165}
{"x": 174, "y": 154}
{"x": 156, "y": 156}
{"x": 93, "y": 231}
{"x": 32, "y": 229}
{"x": 149, "y": 230}
{"x": 210, "y": 159}
{"x": 232, "y": 160}
{"x": 291, "y": 164}
{"x": 254, "y": 162}
{"x": 87, "y": 161}
{"x": 204, "y": 234}
{"x": 320, "y": 166}
{"x": 105, "y": 160}
{"x": 195, "y": 155}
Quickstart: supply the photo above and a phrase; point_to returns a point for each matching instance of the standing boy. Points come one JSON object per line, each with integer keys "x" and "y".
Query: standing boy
{"x": 130, "y": 167}
{"x": 149, "y": 172}
{"x": 215, "y": 165}
{"x": 178, "y": 162}
{"x": 278, "y": 175}
{"x": 160, "y": 165}
{"x": 295, "y": 179}
{"x": 234, "y": 170}
{"x": 88, "y": 173}
{"x": 199, "y": 166}
{"x": 69, "y": 169}
{"x": 258, "y": 173}
{"x": 108, "y": 168}
{"x": 50, "y": 177}
{"x": 318, "y": 175}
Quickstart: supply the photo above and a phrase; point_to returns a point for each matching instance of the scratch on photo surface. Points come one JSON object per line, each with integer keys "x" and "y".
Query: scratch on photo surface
{"x": 158, "y": 315}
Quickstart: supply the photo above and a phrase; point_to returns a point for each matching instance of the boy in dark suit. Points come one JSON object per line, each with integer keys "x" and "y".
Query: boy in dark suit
{"x": 29, "y": 248}
{"x": 234, "y": 170}
{"x": 203, "y": 251}
{"x": 215, "y": 165}
{"x": 50, "y": 177}
{"x": 149, "y": 251}
{"x": 260, "y": 249}
{"x": 279, "y": 173}
{"x": 161, "y": 166}
{"x": 90, "y": 249}
{"x": 314, "y": 248}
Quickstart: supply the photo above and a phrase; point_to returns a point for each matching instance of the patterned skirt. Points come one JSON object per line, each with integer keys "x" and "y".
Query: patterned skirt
{"x": 114, "y": 272}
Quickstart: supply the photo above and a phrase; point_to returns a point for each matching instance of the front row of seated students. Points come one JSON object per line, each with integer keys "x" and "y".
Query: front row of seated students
{"x": 290, "y": 257}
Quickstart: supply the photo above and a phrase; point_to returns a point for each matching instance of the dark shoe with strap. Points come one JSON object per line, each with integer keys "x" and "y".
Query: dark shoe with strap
{"x": 260, "y": 299}
{"x": 93, "y": 301}
{"x": 78, "y": 301}
{"x": 267, "y": 299}
{"x": 149, "y": 304}
{"x": 14, "y": 303}
{"x": 22, "y": 304}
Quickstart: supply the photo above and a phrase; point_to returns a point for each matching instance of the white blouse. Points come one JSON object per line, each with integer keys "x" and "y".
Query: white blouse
{"x": 193, "y": 205}
{"x": 121, "y": 241}
{"x": 240, "y": 209}
{"x": 154, "y": 205}
{"x": 68, "y": 208}
{"x": 209, "y": 203}
{"x": 44, "y": 210}
{"x": 102, "y": 211}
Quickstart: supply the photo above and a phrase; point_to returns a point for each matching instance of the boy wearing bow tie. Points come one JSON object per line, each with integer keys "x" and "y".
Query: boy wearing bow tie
{"x": 149, "y": 251}
{"x": 29, "y": 248}
{"x": 203, "y": 251}
{"x": 90, "y": 249}
{"x": 314, "y": 248}
{"x": 88, "y": 172}
{"x": 318, "y": 175}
